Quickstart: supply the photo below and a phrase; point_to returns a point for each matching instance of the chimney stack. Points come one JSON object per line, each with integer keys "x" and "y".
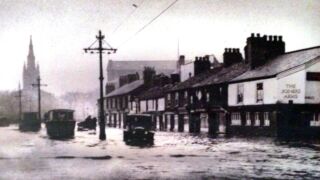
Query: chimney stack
{"x": 231, "y": 56}
{"x": 259, "y": 50}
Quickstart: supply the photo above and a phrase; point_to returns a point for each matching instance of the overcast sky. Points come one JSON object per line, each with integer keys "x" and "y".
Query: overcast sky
{"x": 61, "y": 29}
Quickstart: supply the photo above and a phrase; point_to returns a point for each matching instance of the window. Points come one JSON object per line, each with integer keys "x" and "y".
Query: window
{"x": 168, "y": 97}
{"x": 266, "y": 119}
{"x": 248, "y": 119}
{"x": 199, "y": 95}
{"x": 315, "y": 122}
{"x": 186, "y": 94}
{"x": 256, "y": 119}
{"x": 191, "y": 99}
{"x": 313, "y": 76}
{"x": 177, "y": 96}
{"x": 259, "y": 92}
{"x": 208, "y": 97}
{"x": 240, "y": 93}
{"x": 235, "y": 119}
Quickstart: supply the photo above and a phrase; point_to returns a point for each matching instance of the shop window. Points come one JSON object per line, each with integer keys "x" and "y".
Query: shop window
{"x": 248, "y": 119}
{"x": 315, "y": 121}
{"x": 240, "y": 89}
{"x": 266, "y": 119}
{"x": 259, "y": 92}
{"x": 235, "y": 119}
{"x": 256, "y": 119}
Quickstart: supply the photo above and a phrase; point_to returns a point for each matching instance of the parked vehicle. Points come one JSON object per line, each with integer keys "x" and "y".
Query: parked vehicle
{"x": 60, "y": 123}
{"x": 88, "y": 124}
{"x": 4, "y": 122}
{"x": 138, "y": 128}
{"x": 30, "y": 122}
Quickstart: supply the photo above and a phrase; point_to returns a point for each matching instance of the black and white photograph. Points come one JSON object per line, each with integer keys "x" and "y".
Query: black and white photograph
{"x": 159, "y": 89}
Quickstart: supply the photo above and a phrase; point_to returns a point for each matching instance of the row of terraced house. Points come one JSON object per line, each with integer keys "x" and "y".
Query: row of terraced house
{"x": 266, "y": 92}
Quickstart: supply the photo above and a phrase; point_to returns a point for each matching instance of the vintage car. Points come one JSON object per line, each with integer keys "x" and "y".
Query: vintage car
{"x": 4, "y": 122}
{"x": 30, "y": 122}
{"x": 138, "y": 128}
{"x": 60, "y": 123}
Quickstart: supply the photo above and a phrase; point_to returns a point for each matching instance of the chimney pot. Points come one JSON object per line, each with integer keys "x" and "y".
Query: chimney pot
{"x": 270, "y": 38}
{"x": 280, "y": 38}
{"x": 258, "y": 34}
{"x": 252, "y": 34}
{"x": 275, "y": 38}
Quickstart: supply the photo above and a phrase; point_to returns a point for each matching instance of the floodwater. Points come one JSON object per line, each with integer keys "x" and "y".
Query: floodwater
{"x": 173, "y": 156}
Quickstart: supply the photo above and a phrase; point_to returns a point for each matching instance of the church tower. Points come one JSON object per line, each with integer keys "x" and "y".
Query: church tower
{"x": 30, "y": 70}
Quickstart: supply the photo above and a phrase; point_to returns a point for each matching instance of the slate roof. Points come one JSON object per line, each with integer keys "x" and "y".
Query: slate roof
{"x": 194, "y": 80}
{"x": 224, "y": 75}
{"x": 155, "y": 92}
{"x": 281, "y": 63}
{"x": 126, "y": 88}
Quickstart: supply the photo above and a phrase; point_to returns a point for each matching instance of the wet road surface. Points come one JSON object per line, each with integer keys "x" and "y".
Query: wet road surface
{"x": 173, "y": 156}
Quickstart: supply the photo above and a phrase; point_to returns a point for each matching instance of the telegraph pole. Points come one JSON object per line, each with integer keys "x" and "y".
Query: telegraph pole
{"x": 100, "y": 49}
{"x": 38, "y": 85}
{"x": 20, "y": 102}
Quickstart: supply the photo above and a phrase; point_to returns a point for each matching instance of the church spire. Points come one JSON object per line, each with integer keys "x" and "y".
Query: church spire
{"x": 31, "y": 58}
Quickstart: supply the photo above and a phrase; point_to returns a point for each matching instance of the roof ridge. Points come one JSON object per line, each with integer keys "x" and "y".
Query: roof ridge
{"x": 304, "y": 49}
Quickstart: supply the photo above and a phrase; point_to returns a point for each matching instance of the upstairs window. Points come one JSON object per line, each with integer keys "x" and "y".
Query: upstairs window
{"x": 191, "y": 99}
{"x": 208, "y": 97}
{"x": 259, "y": 92}
{"x": 235, "y": 119}
{"x": 177, "y": 96}
{"x": 240, "y": 89}
{"x": 266, "y": 119}
{"x": 186, "y": 94}
{"x": 248, "y": 119}
{"x": 313, "y": 76}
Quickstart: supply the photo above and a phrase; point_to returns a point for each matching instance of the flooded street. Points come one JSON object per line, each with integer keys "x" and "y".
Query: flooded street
{"x": 173, "y": 156}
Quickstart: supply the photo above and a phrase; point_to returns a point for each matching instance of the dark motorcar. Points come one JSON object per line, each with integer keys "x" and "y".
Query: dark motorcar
{"x": 60, "y": 123}
{"x": 138, "y": 128}
{"x": 30, "y": 122}
{"x": 4, "y": 122}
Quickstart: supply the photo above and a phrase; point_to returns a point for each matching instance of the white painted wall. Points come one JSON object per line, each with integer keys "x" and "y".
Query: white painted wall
{"x": 250, "y": 93}
{"x": 313, "y": 87}
{"x": 186, "y": 69}
{"x": 292, "y": 86}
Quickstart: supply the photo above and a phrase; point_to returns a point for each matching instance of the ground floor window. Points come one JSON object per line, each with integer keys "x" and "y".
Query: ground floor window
{"x": 256, "y": 119}
{"x": 266, "y": 119}
{"x": 235, "y": 119}
{"x": 315, "y": 121}
{"x": 248, "y": 119}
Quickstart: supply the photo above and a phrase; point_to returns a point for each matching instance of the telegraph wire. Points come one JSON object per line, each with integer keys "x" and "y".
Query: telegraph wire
{"x": 129, "y": 15}
{"x": 146, "y": 25}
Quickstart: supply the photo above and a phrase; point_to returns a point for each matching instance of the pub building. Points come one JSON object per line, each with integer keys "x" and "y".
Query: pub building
{"x": 279, "y": 94}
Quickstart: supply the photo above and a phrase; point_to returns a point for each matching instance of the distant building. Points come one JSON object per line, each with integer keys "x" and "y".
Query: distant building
{"x": 115, "y": 69}
{"x": 30, "y": 70}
